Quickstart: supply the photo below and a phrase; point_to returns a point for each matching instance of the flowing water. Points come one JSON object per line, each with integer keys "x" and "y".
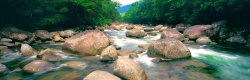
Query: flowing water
{"x": 208, "y": 62}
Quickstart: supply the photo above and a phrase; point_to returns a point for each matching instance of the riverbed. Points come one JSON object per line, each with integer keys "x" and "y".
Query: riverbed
{"x": 208, "y": 62}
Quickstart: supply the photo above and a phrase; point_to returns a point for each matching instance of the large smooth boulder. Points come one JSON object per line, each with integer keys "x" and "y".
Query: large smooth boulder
{"x": 109, "y": 54}
{"x": 203, "y": 40}
{"x": 43, "y": 35}
{"x": 76, "y": 64}
{"x": 129, "y": 70}
{"x": 172, "y": 33}
{"x": 144, "y": 46}
{"x": 169, "y": 48}
{"x": 3, "y": 69}
{"x": 27, "y": 50}
{"x": 194, "y": 32}
{"x": 14, "y": 33}
{"x": 101, "y": 75}
{"x": 90, "y": 42}
{"x": 135, "y": 33}
{"x": 66, "y": 33}
{"x": 37, "y": 66}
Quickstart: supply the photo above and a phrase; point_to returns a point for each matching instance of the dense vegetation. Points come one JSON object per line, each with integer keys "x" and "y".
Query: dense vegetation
{"x": 236, "y": 12}
{"x": 57, "y": 14}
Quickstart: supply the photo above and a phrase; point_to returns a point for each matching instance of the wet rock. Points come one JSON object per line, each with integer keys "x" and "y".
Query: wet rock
{"x": 49, "y": 42}
{"x": 90, "y": 42}
{"x": 152, "y": 33}
{"x": 163, "y": 28}
{"x": 219, "y": 31}
{"x": 144, "y": 46}
{"x": 48, "y": 55}
{"x": 66, "y": 33}
{"x": 129, "y": 27}
{"x": 199, "y": 76}
{"x": 76, "y": 64}
{"x": 158, "y": 27}
{"x": 181, "y": 27}
{"x": 133, "y": 56}
{"x": 7, "y": 44}
{"x": 111, "y": 41}
{"x": 91, "y": 58}
{"x": 138, "y": 51}
{"x": 162, "y": 75}
{"x": 37, "y": 66}
{"x": 54, "y": 33}
{"x": 124, "y": 52}
{"x": 203, "y": 40}
{"x": 109, "y": 54}
{"x": 188, "y": 41}
{"x": 236, "y": 39}
{"x": 72, "y": 76}
{"x": 118, "y": 28}
{"x": 148, "y": 29}
{"x": 136, "y": 33}
{"x": 169, "y": 48}
{"x": 139, "y": 27}
{"x": 6, "y": 40}
{"x": 129, "y": 70}
{"x": 172, "y": 33}
{"x": 156, "y": 60}
{"x": 27, "y": 50}
{"x": 6, "y": 51}
{"x": 57, "y": 38}
{"x": 101, "y": 75}
{"x": 3, "y": 70}
{"x": 43, "y": 35}
{"x": 196, "y": 31}
{"x": 14, "y": 33}
{"x": 117, "y": 47}
{"x": 3, "y": 47}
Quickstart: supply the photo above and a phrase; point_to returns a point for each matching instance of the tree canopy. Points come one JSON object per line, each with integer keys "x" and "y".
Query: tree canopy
{"x": 57, "y": 14}
{"x": 188, "y": 11}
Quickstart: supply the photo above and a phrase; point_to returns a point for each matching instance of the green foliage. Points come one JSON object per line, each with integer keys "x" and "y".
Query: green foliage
{"x": 56, "y": 14}
{"x": 188, "y": 11}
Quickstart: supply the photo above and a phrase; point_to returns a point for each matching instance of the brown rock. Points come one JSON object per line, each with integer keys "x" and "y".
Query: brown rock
{"x": 129, "y": 70}
{"x": 118, "y": 28}
{"x": 129, "y": 27}
{"x": 124, "y": 52}
{"x": 72, "y": 76}
{"x": 148, "y": 29}
{"x": 48, "y": 55}
{"x": 3, "y": 69}
{"x": 172, "y": 33}
{"x": 194, "y": 32}
{"x": 58, "y": 38}
{"x": 135, "y": 33}
{"x": 169, "y": 48}
{"x": 163, "y": 28}
{"x": 90, "y": 42}
{"x": 66, "y": 33}
{"x": 6, "y": 51}
{"x": 13, "y": 33}
{"x": 27, "y": 50}
{"x": 162, "y": 75}
{"x": 139, "y": 51}
{"x": 181, "y": 27}
{"x": 109, "y": 53}
{"x": 152, "y": 33}
{"x": 76, "y": 64}
{"x": 156, "y": 60}
{"x": 199, "y": 76}
{"x": 6, "y": 40}
{"x": 158, "y": 27}
{"x": 144, "y": 46}
{"x": 3, "y": 47}
{"x": 37, "y": 66}
{"x": 43, "y": 35}
{"x": 133, "y": 56}
{"x": 101, "y": 75}
{"x": 203, "y": 40}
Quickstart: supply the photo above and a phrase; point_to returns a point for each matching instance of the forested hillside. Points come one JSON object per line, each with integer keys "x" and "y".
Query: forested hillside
{"x": 57, "y": 14}
{"x": 236, "y": 12}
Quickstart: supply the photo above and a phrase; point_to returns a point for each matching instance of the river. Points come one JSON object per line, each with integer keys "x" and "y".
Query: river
{"x": 208, "y": 62}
